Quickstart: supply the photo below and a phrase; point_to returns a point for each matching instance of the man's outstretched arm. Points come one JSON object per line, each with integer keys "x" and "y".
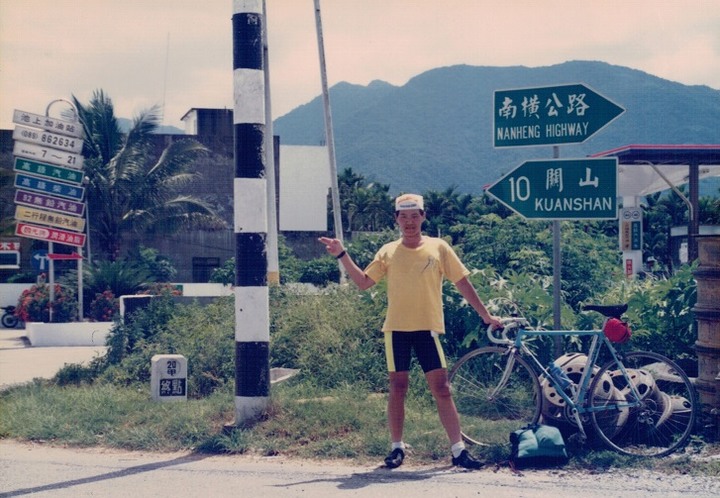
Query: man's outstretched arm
{"x": 335, "y": 248}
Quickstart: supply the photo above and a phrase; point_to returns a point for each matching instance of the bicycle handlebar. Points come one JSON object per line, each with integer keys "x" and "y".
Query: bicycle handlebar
{"x": 509, "y": 324}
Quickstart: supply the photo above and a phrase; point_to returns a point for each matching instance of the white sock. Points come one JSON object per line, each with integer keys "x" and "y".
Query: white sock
{"x": 457, "y": 448}
{"x": 398, "y": 444}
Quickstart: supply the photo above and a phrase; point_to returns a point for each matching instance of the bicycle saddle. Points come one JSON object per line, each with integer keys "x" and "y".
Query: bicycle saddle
{"x": 612, "y": 310}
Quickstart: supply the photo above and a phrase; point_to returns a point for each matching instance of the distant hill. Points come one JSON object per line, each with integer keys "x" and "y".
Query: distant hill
{"x": 436, "y": 130}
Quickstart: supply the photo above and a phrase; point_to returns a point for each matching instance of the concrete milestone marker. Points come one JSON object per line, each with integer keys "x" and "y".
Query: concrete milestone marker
{"x": 168, "y": 377}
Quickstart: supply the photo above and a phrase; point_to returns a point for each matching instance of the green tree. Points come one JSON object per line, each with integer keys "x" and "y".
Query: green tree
{"x": 365, "y": 206}
{"x": 446, "y": 209}
{"x": 130, "y": 190}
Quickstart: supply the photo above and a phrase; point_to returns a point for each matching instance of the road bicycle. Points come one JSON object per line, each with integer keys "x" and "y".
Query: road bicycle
{"x": 9, "y": 320}
{"x": 636, "y": 403}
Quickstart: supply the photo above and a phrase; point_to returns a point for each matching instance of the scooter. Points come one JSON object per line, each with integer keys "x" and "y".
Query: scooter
{"x": 9, "y": 320}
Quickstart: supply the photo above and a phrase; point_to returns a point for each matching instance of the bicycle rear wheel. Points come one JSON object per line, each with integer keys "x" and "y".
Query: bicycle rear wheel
{"x": 490, "y": 409}
{"x": 665, "y": 418}
{"x": 9, "y": 321}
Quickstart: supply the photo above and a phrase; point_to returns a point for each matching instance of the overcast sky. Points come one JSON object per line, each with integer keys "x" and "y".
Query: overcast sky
{"x": 179, "y": 52}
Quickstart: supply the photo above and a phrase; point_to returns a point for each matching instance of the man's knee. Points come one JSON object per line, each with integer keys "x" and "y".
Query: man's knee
{"x": 398, "y": 383}
{"x": 439, "y": 384}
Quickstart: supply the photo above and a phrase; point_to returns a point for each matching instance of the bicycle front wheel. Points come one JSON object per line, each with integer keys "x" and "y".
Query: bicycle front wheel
{"x": 660, "y": 422}
{"x": 495, "y": 392}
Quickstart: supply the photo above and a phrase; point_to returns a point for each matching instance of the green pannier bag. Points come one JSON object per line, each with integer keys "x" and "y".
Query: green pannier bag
{"x": 537, "y": 446}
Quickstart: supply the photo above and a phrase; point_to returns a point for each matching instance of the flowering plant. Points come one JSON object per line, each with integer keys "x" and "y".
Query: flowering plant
{"x": 104, "y": 308}
{"x": 160, "y": 289}
{"x": 34, "y": 304}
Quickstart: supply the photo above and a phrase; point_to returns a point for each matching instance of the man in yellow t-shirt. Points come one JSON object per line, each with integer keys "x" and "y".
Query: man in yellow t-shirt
{"x": 415, "y": 266}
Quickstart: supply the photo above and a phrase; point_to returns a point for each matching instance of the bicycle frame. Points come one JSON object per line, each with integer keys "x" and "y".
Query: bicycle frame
{"x": 577, "y": 401}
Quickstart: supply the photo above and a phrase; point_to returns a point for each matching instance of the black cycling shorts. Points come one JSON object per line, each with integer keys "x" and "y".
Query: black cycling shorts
{"x": 428, "y": 350}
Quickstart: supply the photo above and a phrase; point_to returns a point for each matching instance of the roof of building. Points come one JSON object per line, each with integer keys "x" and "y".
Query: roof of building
{"x": 638, "y": 177}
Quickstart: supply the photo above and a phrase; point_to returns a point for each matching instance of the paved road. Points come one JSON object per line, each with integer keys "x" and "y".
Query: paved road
{"x": 43, "y": 471}
{"x": 20, "y": 363}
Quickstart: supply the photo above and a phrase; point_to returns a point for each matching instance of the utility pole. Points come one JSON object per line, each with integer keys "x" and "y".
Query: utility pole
{"x": 252, "y": 322}
{"x": 272, "y": 237}
{"x": 335, "y": 192}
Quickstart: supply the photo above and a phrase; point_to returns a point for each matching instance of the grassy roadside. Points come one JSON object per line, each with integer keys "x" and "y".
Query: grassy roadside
{"x": 301, "y": 422}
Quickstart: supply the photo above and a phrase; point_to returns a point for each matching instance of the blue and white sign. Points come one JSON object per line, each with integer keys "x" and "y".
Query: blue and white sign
{"x": 56, "y": 189}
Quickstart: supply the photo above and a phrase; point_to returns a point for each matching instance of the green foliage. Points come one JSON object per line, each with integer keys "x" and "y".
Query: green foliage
{"x": 224, "y": 274}
{"x": 589, "y": 262}
{"x": 492, "y": 241}
{"x": 363, "y": 246}
{"x": 660, "y": 312}
{"x": 511, "y": 294}
{"x": 589, "y": 258}
{"x": 203, "y": 335}
{"x": 364, "y": 206}
{"x": 123, "y": 277}
{"x": 160, "y": 267}
{"x": 331, "y": 336}
{"x": 24, "y": 277}
{"x": 321, "y": 271}
{"x": 138, "y": 332}
{"x": 290, "y": 266}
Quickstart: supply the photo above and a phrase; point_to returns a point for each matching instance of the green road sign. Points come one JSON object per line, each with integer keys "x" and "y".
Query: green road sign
{"x": 552, "y": 115}
{"x": 560, "y": 189}
{"x": 48, "y": 171}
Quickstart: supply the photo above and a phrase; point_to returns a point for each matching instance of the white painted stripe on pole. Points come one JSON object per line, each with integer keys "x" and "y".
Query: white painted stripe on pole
{"x": 249, "y": 87}
{"x": 247, "y": 6}
{"x": 250, "y": 205}
{"x": 249, "y": 407}
{"x": 252, "y": 316}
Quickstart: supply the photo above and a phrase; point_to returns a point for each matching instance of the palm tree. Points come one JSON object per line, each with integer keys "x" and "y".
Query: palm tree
{"x": 444, "y": 209}
{"x": 130, "y": 191}
{"x": 365, "y": 207}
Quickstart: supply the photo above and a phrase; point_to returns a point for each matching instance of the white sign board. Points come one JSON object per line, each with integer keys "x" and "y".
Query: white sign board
{"x": 61, "y": 126}
{"x": 304, "y": 188}
{"x": 48, "y": 155}
{"x": 47, "y": 139}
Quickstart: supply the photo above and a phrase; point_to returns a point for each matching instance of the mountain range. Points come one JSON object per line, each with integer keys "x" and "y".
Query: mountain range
{"x": 436, "y": 131}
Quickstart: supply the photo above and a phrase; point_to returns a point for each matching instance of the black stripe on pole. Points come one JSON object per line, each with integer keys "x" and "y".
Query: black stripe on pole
{"x": 247, "y": 42}
{"x": 251, "y": 260}
{"x": 252, "y": 374}
{"x": 249, "y": 150}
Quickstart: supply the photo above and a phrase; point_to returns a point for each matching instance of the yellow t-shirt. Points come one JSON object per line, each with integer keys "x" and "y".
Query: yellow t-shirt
{"x": 414, "y": 283}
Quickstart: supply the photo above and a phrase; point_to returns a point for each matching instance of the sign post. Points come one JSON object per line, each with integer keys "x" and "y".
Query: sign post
{"x": 555, "y": 115}
{"x": 552, "y": 115}
{"x": 49, "y": 197}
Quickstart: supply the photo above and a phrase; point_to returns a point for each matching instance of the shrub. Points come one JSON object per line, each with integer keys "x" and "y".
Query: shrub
{"x": 321, "y": 271}
{"x": 104, "y": 308}
{"x": 34, "y": 304}
{"x": 332, "y": 336}
{"x": 660, "y": 312}
{"x": 203, "y": 334}
{"x": 158, "y": 289}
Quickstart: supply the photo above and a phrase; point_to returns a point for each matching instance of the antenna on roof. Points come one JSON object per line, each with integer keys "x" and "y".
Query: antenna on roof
{"x": 167, "y": 57}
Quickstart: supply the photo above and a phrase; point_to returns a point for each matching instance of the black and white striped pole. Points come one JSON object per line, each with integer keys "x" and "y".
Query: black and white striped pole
{"x": 252, "y": 322}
